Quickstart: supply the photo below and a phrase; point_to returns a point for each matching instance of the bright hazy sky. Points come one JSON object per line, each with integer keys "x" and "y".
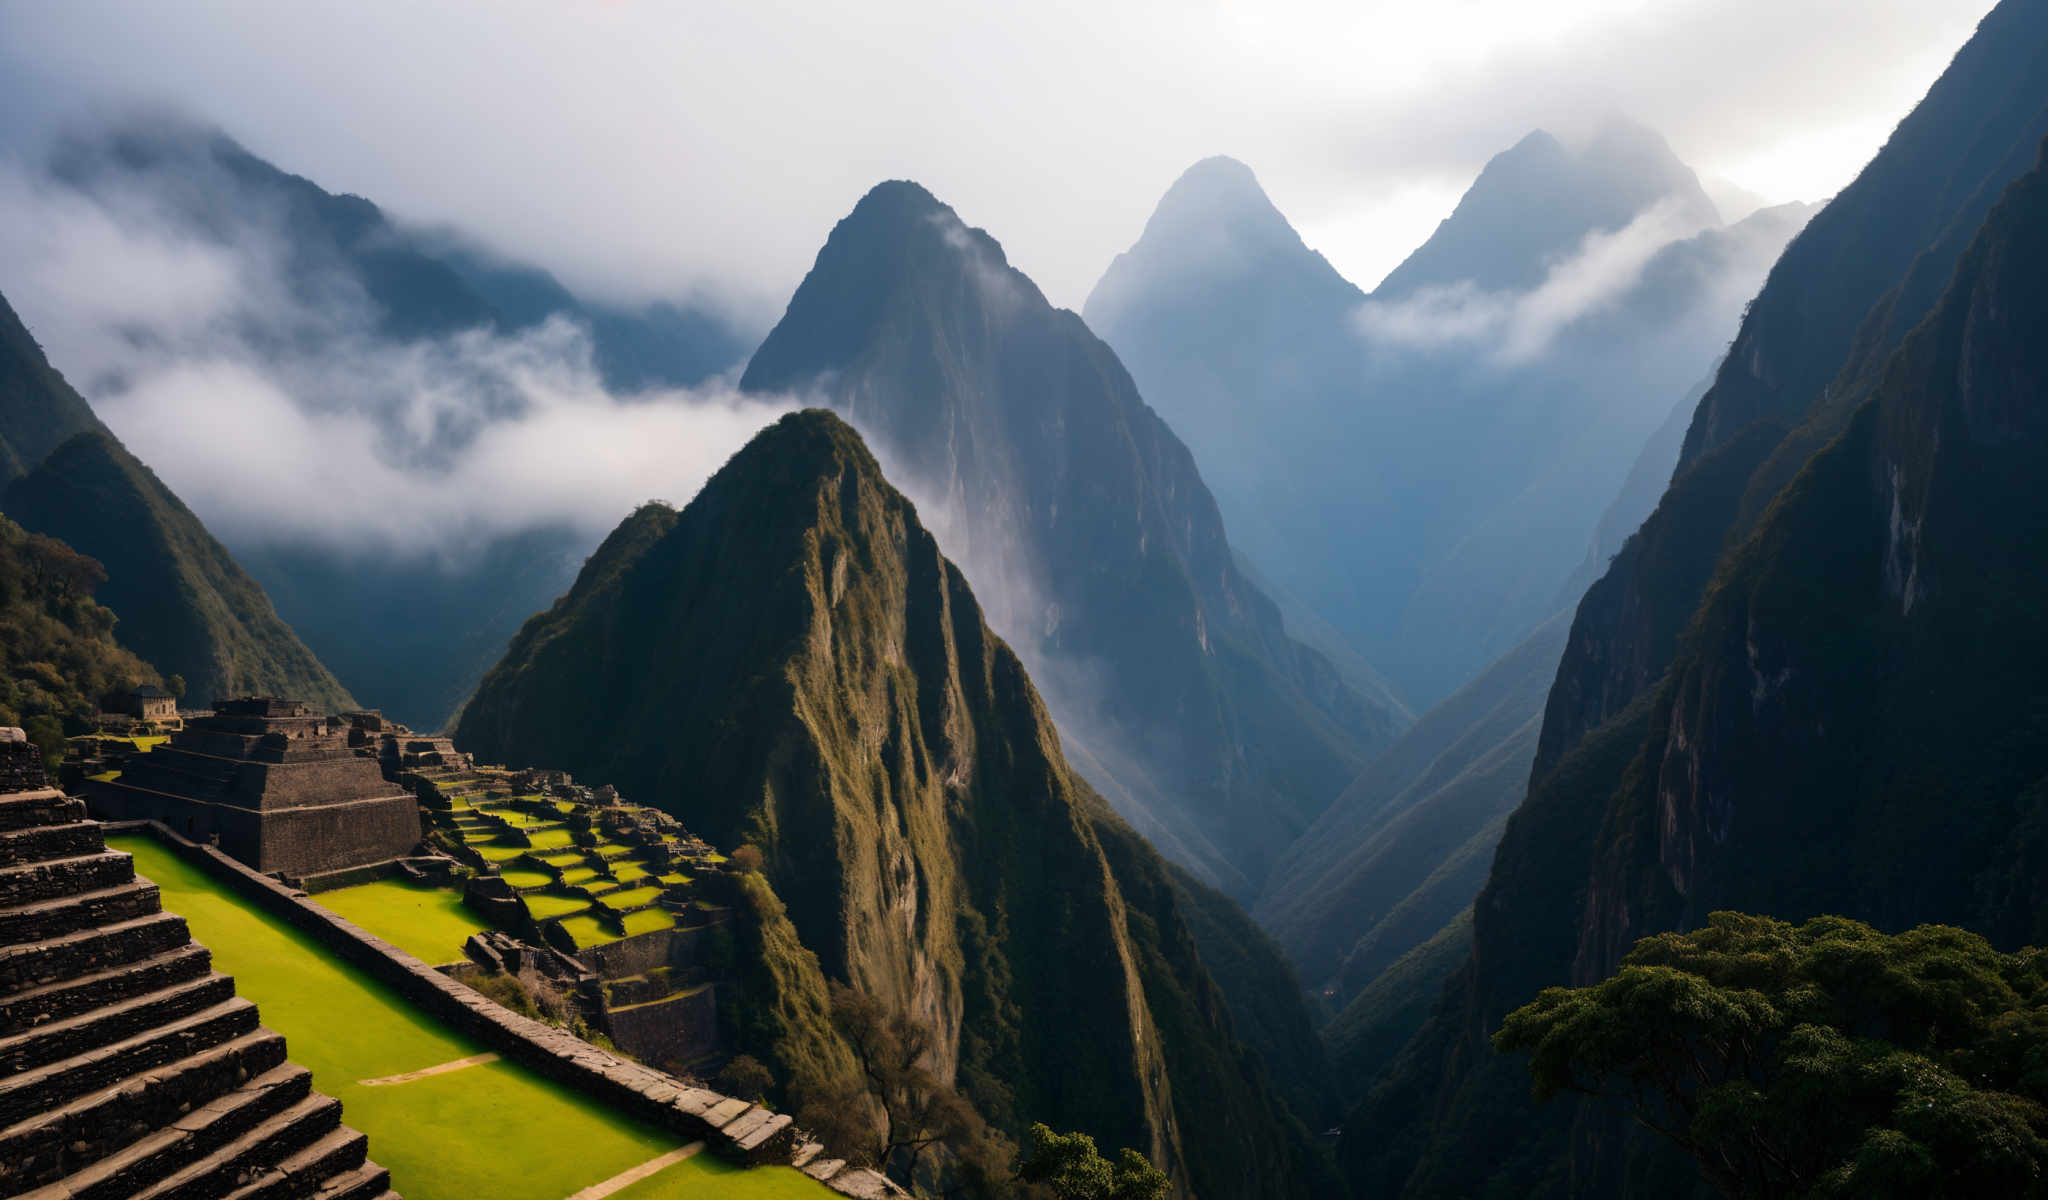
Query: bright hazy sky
{"x": 660, "y": 147}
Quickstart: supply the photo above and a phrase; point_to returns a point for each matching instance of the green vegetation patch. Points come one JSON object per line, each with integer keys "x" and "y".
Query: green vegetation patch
{"x": 526, "y": 877}
{"x": 430, "y": 922}
{"x": 552, "y": 839}
{"x": 581, "y": 874}
{"x": 493, "y": 1130}
{"x": 543, "y": 905}
{"x": 633, "y": 898}
{"x": 586, "y": 930}
{"x": 647, "y": 920}
{"x": 565, "y": 859}
{"x": 497, "y": 854}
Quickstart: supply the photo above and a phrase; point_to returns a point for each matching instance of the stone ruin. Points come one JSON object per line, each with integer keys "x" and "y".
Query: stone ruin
{"x": 276, "y": 786}
{"x": 128, "y": 1066}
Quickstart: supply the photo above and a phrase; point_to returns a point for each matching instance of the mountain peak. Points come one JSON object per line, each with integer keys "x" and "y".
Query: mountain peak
{"x": 1536, "y": 201}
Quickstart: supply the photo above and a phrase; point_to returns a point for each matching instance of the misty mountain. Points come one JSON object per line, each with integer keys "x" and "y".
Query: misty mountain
{"x": 791, "y": 662}
{"x": 1086, "y": 527}
{"x": 184, "y": 605}
{"x": 1424, "y": 466}
{"x": 405, "y": 346}
{"x": 1806, "y": 684}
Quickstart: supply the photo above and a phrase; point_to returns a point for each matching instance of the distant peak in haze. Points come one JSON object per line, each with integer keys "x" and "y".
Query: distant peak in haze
{"x": 1538, "y": 200}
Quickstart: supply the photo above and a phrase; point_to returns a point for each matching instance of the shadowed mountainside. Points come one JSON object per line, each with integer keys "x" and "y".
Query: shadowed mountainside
{"x": 791, "y": 662}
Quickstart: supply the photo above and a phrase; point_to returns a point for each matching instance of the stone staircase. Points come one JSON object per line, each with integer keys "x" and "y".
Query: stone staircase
{"x": 128, "y": 1066}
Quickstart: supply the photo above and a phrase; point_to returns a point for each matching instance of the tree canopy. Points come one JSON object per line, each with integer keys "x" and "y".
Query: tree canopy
{"x": 1071, "y": 1168}
{"x": 1825, "y": 1059}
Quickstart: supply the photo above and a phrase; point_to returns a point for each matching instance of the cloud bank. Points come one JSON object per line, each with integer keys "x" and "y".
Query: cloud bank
{"x": 281, "y": 416}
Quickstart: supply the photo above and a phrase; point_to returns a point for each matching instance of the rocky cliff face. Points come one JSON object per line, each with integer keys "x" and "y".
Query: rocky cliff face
{"x": 1795, "y": 697}
{"x": 1863, "y": 271}
{"x": 1085, "y": 525}
{"x": 791, "y": 662}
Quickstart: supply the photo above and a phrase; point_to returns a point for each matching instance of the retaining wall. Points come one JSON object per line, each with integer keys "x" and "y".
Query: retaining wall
{"x": 640, "y": 1091}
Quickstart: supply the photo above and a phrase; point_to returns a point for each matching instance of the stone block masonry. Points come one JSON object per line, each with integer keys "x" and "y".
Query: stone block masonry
{"x": 279, "y": 788}
{"x": 128, "y": 1066}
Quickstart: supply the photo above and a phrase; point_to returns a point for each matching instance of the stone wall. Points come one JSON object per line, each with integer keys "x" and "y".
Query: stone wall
{"x": 21, "y": 763}
{"x": 678, "y": 1028}
{"x": 734, "y": 1128}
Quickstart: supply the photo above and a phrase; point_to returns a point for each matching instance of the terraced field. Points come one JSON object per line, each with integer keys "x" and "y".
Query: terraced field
{"x": 462, "y": 1129}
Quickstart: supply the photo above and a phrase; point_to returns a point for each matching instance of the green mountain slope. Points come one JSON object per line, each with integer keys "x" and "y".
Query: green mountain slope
{"x": 791, "y": 662}
{"x": 184, "y": 604}
{"x": 38, "y": 410}
{"x": 1087, "y": 528}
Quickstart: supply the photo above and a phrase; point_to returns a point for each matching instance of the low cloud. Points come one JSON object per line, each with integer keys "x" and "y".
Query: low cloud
{"x": 1513, "y": 328}
{"x": 280, "y": 415}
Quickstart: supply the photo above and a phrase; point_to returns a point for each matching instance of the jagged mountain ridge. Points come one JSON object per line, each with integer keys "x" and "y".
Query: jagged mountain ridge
{"x": 1583, "y": 868}
{"x": 790, "y": 661}
{"x": 39, "y": 411}
{"x": 1085, "y": 524}
{"x": 1421, "y": 467}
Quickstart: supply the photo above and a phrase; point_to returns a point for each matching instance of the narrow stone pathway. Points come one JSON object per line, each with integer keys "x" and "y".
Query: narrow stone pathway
{"x": 474, "y": 1060}
{"x": 627, "y": 1178}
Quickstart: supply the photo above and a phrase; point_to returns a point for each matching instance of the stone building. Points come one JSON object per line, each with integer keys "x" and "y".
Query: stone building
{"x": 149, "y": 702}
{"x": 279, "y": 787}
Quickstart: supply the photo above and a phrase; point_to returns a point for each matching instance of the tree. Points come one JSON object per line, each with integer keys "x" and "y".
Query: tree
{"x": 917, "y": 1110}
{"x": 1819, "y": 1060}
{"x": 747, "y": 860}
{"x": 746, "y": 1078}
{"x": 1071, "y": 1166}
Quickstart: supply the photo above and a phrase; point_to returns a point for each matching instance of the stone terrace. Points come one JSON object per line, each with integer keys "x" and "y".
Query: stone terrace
{"x": 128, "y": 1066}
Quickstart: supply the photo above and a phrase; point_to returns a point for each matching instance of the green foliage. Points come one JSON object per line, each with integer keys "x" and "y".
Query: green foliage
{"x": 1070, "y": 1166}
{"x": 507, "y": 991}
{"x": 185, "y": 604}
{"x": 1824, "y": 1059}
{"x": 58, "y": 655}
{"x": 746, "y": 1077}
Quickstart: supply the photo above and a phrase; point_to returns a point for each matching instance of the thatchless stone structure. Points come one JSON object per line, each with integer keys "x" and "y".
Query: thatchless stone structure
{"x": 128, "y": 1066}
{"x": 279, "y": 787}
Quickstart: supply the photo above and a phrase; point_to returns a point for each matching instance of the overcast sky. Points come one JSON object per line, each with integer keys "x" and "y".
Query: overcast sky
{"x": 664, "y": 147}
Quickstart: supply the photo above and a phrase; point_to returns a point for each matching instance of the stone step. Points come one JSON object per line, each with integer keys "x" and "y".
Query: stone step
{"x": 805, "y": 1153}
{"x": 248, "y": 1157}
{"x": 58, "y": 1083}
{"x": 69, "y": 1038}
{"x": 192, "y": 1136}
{"x": 40, "y": 843}
{"x": 57, "y": 1001}
{"x": 822, "y": 1169}
{"x": 338, "y": 1154}
{"x": 36, "y": 964}
{"x": 69, "y": 914}
{"x": 47, "y": 806}
{"x": 94, "y": 1126}
{"x": 26, "y": 883}
{"x": 367, "y": 1182}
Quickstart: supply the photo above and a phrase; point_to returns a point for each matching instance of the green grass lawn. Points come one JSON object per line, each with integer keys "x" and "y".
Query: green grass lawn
{"x": 552, "y": 839}
{"x": 632, "y": 898}
{"x": 563, "y": 858}
{"x": 526, "y": 877}
{"x": 581, "y": 874}
{"x": 429, "y": 922}
{"x": 495, "y": 1130}
{"x": 647, "y": 920}
{"x": 587, "y": 930}
{"x": 543, "y": 906}
{"x": 494, "y": 854}
{"x": 674, "y": 878}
